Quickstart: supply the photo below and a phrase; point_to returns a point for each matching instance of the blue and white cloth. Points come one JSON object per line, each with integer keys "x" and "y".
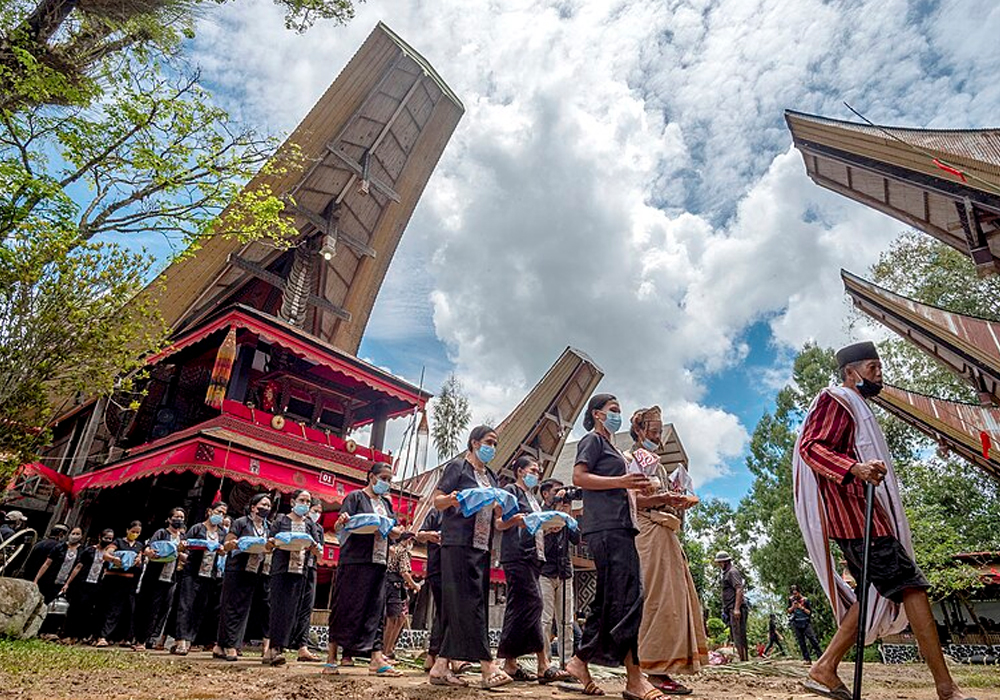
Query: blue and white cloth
{"x": 251, "y": 545}
{"x": 471, "y": 501}
{"x": 207, "y": 545}
{"x": 368, "y": 523}
{"x": 294, "y": 541}
{"x": 533, "y": 522}
{"x": 164, "y": 551}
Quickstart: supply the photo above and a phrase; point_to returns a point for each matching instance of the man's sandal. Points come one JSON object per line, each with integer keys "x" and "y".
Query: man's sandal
{"x": 495, "y": 680}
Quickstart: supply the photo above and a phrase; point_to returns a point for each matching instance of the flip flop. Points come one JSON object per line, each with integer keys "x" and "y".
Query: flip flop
{"x": 330, "y": 670}
{"x": 386, "y": 671}
{"x": 463, "y": 667}
{"x": 451, "y": 679}
{"x": 495, "y": 680}
{"x": 672, "y": 687}
{"x": 593, "y": 689}
{"x": 523, "y": 676}
{"x": 651, "y": 695}
{"x": 838, "y": 693}
{"x": 552, "y": 675}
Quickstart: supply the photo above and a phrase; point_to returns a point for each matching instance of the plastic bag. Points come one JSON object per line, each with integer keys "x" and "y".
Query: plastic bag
{"x": 548, "y": 520}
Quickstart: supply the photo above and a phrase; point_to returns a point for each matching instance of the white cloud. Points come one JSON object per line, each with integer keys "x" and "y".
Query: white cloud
{"x": 622, "y": 180}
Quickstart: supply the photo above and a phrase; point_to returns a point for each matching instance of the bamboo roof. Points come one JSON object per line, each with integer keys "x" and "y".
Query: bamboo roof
{"x": 957, "y": 426}
{"x": 386, "y": 120}
{"x": 945, "y": 183}
{"x": 967, "y": 345}
{"x": 538, "y": 426}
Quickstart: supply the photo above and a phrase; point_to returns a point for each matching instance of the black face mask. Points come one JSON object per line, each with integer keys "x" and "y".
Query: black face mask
{"x": 106, "y": 541}
{"x": 263, "y": 512}
{"x": 867, "y": 389}
{"x": 177, "y": 523}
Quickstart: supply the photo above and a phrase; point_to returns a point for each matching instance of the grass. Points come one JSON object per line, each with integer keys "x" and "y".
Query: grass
{"x": 34, "y": 657}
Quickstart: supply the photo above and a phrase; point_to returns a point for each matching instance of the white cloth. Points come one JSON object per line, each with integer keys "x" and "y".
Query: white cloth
{"x": 884, "y": 616}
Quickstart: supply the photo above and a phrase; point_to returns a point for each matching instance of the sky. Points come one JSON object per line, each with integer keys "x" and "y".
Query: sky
{"x": 623, "y": 182}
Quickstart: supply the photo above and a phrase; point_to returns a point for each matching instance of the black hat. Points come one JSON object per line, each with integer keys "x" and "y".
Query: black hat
{"x": 856, "y": 353}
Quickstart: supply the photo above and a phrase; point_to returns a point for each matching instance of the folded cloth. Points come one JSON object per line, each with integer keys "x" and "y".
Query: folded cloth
{"x": 548, "y": 520}
{"x": 164, "y": 551}
{"x": 207, "y": 545}
{"x": 220, "y": 564}
{"x": 294, "y": 541}
{"x": 251, "y": 545}
{"x": 127, "y": 557}
{"x": 368, "y": 523}
{"x": 471, "y": 501}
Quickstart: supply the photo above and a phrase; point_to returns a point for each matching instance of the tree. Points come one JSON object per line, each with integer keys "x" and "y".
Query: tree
{"x": 451, "y": 417}
{"x": 710, "y": 527}
{"x": 49, "y": 49}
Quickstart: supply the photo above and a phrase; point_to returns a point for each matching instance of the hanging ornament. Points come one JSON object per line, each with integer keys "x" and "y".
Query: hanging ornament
{"x": 222, "y": 370}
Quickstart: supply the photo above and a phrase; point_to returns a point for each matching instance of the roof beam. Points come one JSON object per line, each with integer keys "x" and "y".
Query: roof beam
{"x": 330, "y": 228}
{"x": 280, "y": 283}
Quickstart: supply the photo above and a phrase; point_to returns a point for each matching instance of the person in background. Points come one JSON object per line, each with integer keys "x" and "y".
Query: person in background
{"x": 429, "y": 535}
{"x": 303, "y": 623}
{"x": 41, "y": 551}
{"x": 734, "y": 603}
{"x": 13, "y": 522}
{"x": 774, "y": 638}
{"x": 198, "y": 576}
{"x": 556, "y": 579}
{"x": 611, "y": 635}
{"x": 243, "y": 577}
{"x": 800, "y": 612}
{"x": 156, "y": 584}
{"x": 82, "y": 588}
{"x": 466, "y": 543}
{"x": 359, "y": 596}
{"x": 288, "y": 581}
{"x": 118, "y": 589}
{"x": 398, "y": 580}
{"x": 57, "y": 567}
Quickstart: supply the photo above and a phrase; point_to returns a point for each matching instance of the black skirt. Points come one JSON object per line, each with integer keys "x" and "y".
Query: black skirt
{"x": 358, "y": 608}
{"x": 286, "y": 596}
{"x": 434, "y": 643}
{"x": 238, "y": 588}
{"x": 612, "y": 629}
{"x": 464, "y": 601}
{"x": 522, "y": 618}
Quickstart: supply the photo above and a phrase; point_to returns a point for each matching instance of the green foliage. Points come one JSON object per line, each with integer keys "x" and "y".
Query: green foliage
{"x": 451, "y": 416}
{"x": 710, "y": 527}
{"x": 766, "y": 519}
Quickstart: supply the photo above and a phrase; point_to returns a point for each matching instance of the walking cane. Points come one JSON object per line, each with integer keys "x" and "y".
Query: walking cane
{"x": 859, "y": 650}
{"x": 562, "y": 627}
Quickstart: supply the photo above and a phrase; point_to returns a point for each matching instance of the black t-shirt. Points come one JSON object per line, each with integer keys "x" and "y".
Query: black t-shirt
{"x": 360, "y": 549}
{"x": 154, "y": 569}
{"x": 122, "y": 544}
{"x": 195, "y": 558}
{"x": 316, "y": 532}
{"x": 237, "y": 560}
{"x": 58, "y": 556}
{"x": 516, "y": 544}
{"x": 731, "y": 580}
{"x": 39, "y": 553}
{"x": 456, "y": 529}
{"x": 282, "y": 558}
{"x": 432, "y": 523}
{"x": 557, "y": 562}
{"x": 799, "y": 616}
{"x": 603, "y": 510}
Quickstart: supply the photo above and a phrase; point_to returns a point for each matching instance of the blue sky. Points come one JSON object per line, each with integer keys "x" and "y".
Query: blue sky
{"x": 623, "y": 182}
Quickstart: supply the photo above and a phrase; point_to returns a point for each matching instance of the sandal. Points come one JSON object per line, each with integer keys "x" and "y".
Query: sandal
{"x": 495, "y": 680}
{"x": 308, "y": 657}
{"x": 522, "y": 675}
{"x": 450, "y": 679}
{"x": 593, "y": 689}
{"x": 101, "y": 643}
{"x": 840, "y": 692}
{"x": 330, "y": 670}
{"x": 463, "y": 667}
{"x": 346, "y": 661}
{"x": 553, "y": 674}
{"x": 386, "y": 671}
{"x": 651, "y": 695}
{"x": 671, "y": 687}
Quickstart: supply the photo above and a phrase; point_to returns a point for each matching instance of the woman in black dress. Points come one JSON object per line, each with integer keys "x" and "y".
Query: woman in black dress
{"x": 522, "y": 555}
{"x": 288, "y": 579}
{"x": 611, "y": 633}
{"x": 300, "y": 635}
{"x": 243, "y": 575}
{"x": 156, "y": 585}
{"x": 465, "y": 564}
{"x": 55, "y": 571}
{"x": 83, "y": 590}
{"x": 359, "y": 597}
{"x": 118, "y": 588}
{"x": 197, "y": 579}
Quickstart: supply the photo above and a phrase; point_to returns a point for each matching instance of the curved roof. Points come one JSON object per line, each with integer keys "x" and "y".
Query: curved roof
{"x": 370, "y": 144}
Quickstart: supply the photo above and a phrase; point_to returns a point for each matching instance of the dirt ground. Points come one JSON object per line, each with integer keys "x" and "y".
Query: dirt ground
{"x": 44, "y": 672}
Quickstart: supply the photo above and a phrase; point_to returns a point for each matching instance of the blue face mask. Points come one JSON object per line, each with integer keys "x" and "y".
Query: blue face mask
{"x": 650, "y": 445}
{"x": 215, "y": 519}
{"x": 613, "y": 422}
{"x": 380, "y": 487}
{"x": 531, "y": 480}
{"x": 486, "y": 453}
{"x": 301, "y": 509}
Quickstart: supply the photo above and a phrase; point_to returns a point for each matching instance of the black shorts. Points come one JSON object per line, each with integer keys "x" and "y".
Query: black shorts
{"x": 890, "y": 568}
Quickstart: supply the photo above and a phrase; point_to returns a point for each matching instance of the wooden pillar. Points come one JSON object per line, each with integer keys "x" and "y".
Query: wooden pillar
{"x": 378, "y": 425}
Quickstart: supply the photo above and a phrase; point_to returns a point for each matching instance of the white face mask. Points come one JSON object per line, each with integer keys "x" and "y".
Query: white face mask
{"x": 314, "y": 517}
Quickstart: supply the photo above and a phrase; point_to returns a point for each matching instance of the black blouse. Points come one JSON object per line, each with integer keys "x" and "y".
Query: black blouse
{"x": 122, "y": 545}
{"x": 456, "y": 529}
{"x": 516, "y": 543}
{"x": 284, "y": 561}
{"x": 237, "y": 560}
{"x": 197, "y": 564}
{"x": 609, "y": 509}
{"x": 432, "y": 523}
{"x": 165, "y": 572}
{"x": 360, "y": 549}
